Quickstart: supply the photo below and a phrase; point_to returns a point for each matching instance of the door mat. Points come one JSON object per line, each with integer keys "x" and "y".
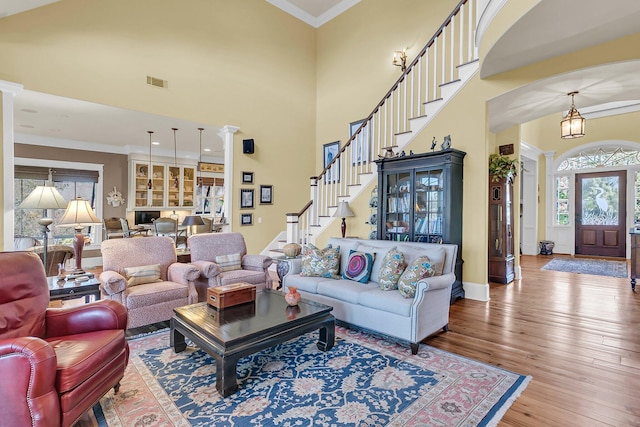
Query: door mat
{"x": 598, "y": 267}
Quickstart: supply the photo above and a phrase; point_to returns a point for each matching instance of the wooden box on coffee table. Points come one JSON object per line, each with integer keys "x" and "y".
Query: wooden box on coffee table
{"x": 229, "y": 295}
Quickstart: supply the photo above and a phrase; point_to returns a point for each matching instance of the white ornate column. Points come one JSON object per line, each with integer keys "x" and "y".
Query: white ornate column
{"x": 8, "y": 91}
{"x": 549, "y": 196}
{"x": 226, "y": 133}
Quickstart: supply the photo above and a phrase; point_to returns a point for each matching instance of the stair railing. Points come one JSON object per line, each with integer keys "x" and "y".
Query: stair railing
{"x": 421, "y": 83}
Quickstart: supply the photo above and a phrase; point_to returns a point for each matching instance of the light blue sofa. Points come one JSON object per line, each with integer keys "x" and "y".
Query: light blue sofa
{"x": 387, "y": 312}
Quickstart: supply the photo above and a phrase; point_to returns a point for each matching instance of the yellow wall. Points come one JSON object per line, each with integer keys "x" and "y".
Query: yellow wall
{"x": 242, "y": 63}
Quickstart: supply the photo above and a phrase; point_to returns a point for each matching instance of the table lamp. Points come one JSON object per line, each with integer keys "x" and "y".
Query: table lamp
{"x": 44, "y": 197}
{"x": 192, "y": 220}
{"x": 79, "y": 213}
{"x": 343, "y": 211}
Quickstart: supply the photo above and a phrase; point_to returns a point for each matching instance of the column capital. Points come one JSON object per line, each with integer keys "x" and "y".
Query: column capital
{"x": 10, "y": 87}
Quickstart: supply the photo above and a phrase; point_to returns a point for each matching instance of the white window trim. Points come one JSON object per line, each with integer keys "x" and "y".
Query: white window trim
{"x": 23, "y": 161}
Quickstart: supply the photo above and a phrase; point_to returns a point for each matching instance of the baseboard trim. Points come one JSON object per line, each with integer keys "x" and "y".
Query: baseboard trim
{"x": 476, "y": 291}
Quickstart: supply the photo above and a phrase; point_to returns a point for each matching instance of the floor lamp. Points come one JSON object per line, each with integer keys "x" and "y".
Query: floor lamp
{"x": 79, "y": 214}
{"x": 343, "y": 211}
{"x": 44, "y": 197}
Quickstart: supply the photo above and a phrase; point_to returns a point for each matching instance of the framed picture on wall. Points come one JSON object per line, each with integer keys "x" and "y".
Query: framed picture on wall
{"x": 247, "y": 177}
{"x": 360, "y": 146}
{"x": 246, "y": 198}
{"x": 329, "y": 152}
{"x": 246, "y": 219}
{"x": 266, "y": 194}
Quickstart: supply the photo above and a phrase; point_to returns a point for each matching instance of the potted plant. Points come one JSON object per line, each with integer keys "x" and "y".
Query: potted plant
{"x": 502, "y": 167}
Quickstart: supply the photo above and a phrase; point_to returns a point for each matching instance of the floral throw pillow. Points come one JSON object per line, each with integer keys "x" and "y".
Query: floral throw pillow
{"x": 321, "y": 262}
{"x": 393, "y": 265}
{"x": 359, "y": 266}
{"x": 419, "y": 269}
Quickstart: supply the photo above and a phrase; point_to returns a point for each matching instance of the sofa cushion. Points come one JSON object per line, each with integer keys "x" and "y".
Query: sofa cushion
{"x": 391, "y": 302}
{"x": 155, "y": 293}
{"x": 229, "y": 262}
{"x": 393, "y": 265}
{"x": 247, "y": 276}
{"x": 435, "y": 253}
{"x": 80, "y": 356}
{"x": 359, "y": 266}
{"x": 320, "y": 262}
{"x": 418, "y": 269}
{"x": 306, "y": 284}
{"x": 343, "y": 290}
{"x": 142, "y": 274}
{"x": 380, "y": 252}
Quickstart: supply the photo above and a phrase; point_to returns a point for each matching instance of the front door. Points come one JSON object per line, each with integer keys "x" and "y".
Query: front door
{"x": 601, "y": 214}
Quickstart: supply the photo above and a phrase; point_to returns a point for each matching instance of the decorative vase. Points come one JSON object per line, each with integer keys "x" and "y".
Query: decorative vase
{"x": 293, "y": 296}
{"x": 291, "y": 250}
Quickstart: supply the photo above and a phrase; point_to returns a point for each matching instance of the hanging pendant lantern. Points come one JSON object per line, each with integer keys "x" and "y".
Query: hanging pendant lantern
{"x": 176, "y": 181}
{"x": 150, "y": 184}
{"x": 572, "y": 125}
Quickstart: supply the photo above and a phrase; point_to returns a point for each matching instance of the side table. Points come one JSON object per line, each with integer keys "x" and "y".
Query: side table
{"x": 282, "y": 268}
{"x": 68, "y": 289}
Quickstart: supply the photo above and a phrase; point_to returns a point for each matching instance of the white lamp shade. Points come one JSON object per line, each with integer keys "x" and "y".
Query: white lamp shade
{"x": 343, "y": 211}
{"x": 79, "y": 212}
{"x": 44, "y": 197}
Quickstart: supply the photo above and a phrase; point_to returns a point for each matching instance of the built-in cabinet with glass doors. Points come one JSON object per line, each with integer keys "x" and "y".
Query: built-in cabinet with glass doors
{"x": 161, "y": 185}
{"x": 420, "y": 200}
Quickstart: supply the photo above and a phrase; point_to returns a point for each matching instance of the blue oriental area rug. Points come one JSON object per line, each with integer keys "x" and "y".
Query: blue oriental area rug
{"x": 363, "y": 381}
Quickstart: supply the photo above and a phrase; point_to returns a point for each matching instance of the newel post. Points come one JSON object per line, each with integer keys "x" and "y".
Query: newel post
{"x": 313, "y": 209}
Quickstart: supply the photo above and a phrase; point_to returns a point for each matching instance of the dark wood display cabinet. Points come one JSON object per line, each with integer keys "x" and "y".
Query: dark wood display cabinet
{"x": 501, "y": 256}
{"x": 420, "y": 200}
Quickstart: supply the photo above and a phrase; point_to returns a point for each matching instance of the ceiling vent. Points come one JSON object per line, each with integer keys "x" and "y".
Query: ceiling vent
{"x": 154, "y": 81}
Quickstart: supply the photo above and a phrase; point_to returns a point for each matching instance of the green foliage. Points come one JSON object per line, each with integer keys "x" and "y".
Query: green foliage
{"x": 502, "y": 167}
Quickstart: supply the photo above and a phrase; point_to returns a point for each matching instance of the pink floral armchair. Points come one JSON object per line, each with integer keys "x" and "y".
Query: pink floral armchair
{"x": 222, "y": 259}
{"x": 144, "y": 276}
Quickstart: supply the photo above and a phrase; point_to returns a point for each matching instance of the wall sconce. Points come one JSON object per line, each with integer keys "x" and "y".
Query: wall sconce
{"x": 572, "y": 125}
{"x": 400, "y": 59}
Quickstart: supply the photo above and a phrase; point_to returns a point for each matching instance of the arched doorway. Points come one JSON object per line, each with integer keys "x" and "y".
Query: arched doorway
{"x": 593, "y": 198}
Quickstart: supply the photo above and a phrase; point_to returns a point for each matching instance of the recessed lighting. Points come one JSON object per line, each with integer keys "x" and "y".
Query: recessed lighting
{"x": 207, "y": 149}
{"x": 28, "y": 110}
{"x": 155, "y": 143}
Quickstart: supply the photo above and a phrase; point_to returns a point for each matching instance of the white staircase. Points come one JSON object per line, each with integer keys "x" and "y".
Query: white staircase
{"x": 431, "y": 80}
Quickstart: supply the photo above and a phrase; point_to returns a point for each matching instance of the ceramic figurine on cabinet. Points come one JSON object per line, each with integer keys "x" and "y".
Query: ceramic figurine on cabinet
{"x": 446, "y": 144}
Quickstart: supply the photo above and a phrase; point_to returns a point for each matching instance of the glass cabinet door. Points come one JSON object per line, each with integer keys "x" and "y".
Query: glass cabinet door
{"x": 188, "y": 190}
{"x": 429, "y": 219}
{"x": 173, "y": 186}
{"x": 398, "y": 210}
{"x": 157, "y": 190}
{"x": 141, "y": 171}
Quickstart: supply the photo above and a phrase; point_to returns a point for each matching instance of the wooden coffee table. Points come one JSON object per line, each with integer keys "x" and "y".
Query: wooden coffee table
{"x": 235, "y": 332}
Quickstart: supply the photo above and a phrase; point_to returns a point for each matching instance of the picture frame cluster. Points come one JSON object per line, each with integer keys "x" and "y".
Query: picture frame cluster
{"x": 247, "y": 197}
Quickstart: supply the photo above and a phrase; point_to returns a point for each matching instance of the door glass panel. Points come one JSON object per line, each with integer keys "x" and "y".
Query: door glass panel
{"x": 600, "y": 200}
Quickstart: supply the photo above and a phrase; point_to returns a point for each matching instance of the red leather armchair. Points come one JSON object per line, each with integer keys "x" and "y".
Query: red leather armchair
{"x": 55, "y": 364}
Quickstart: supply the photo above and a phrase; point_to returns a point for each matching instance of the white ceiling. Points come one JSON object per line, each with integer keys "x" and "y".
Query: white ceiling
{"x": 542, "y": 33}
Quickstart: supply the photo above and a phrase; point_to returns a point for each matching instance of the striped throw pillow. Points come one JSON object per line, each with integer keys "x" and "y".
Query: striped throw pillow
{"x": 229, "y": 262}
{"x": 143, "y": 274}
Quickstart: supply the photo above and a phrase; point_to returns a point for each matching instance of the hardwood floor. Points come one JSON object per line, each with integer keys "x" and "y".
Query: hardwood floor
{"x": 576, "y": 334}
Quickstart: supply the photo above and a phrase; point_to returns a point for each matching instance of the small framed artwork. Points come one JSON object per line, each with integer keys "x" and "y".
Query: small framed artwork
{"x": 246, "y": 198}
{"x": 247, "y": 177}
{"x": 329, "y": 152}
{"x": 246, "y": 219}
{"x": 266, "y": 194}
{"x": 360, "y": 144}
